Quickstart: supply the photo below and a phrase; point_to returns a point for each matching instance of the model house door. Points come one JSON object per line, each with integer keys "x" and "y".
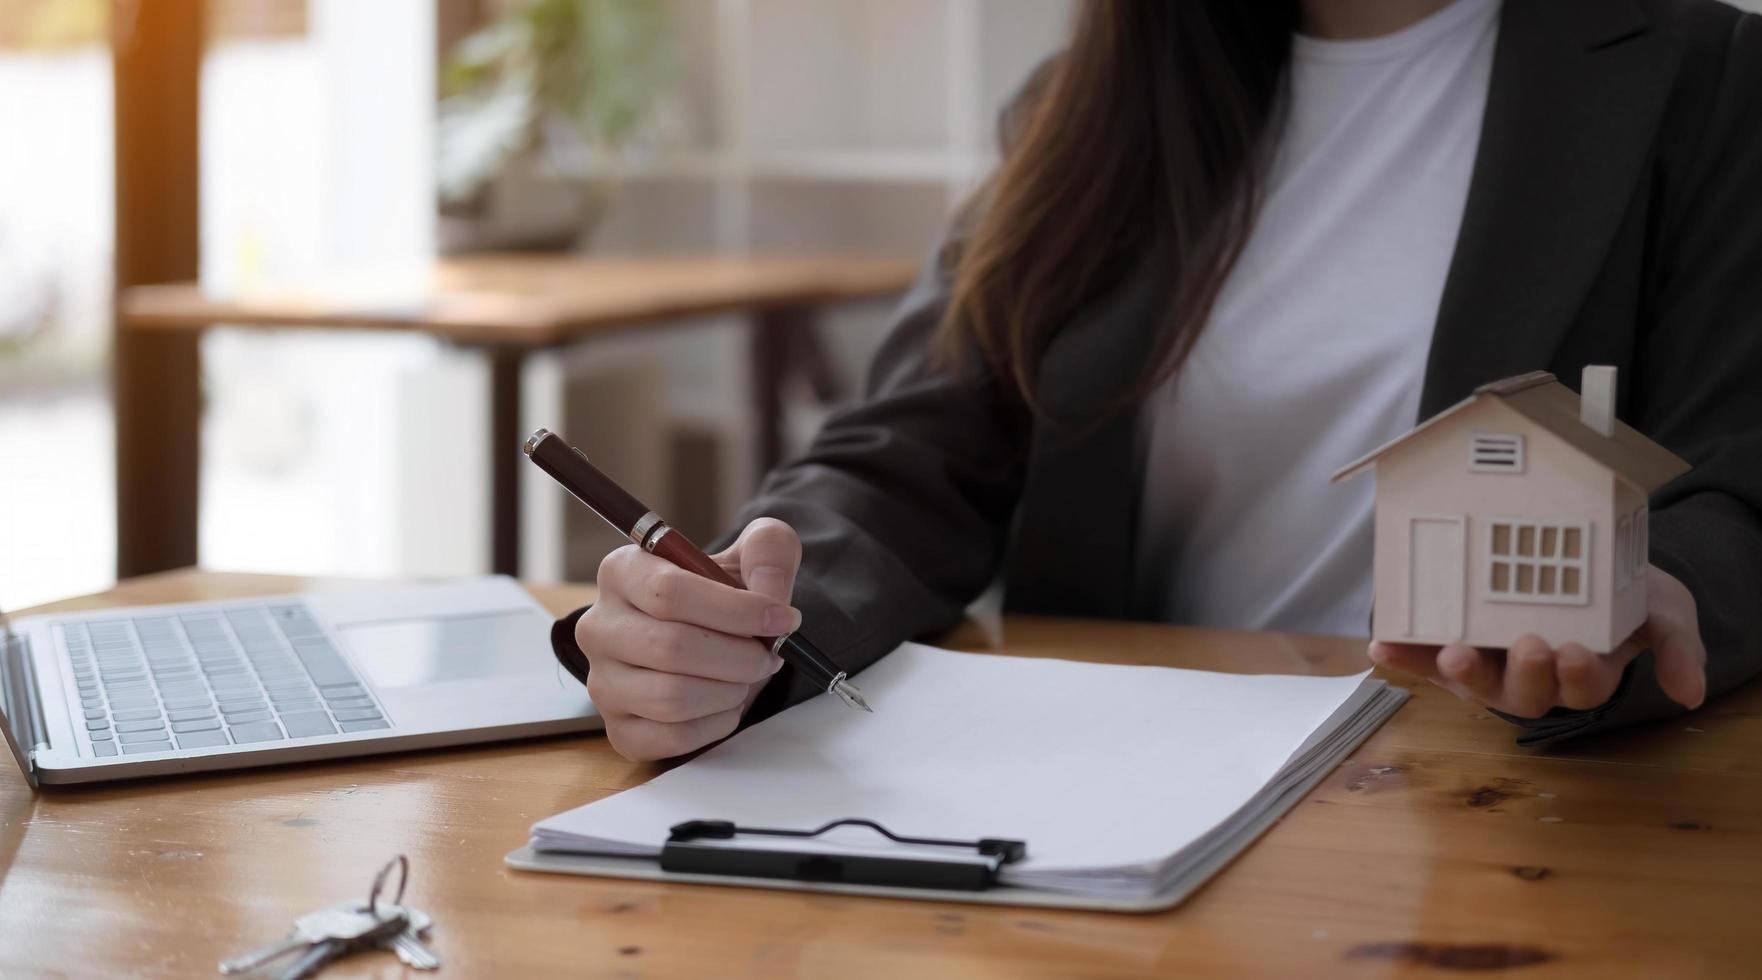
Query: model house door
{"x": 1435, "y": 568}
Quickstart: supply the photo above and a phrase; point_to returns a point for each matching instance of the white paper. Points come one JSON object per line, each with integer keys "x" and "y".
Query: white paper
{"x": 1096, "y": 766}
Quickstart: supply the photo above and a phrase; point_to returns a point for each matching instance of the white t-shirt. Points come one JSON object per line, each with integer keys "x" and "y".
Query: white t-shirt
{"x": 1316, "y": 348}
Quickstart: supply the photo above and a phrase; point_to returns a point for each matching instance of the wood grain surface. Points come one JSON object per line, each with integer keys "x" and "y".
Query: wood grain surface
{"x": 540, "y": 300}
{"x": 1438, "y": 848}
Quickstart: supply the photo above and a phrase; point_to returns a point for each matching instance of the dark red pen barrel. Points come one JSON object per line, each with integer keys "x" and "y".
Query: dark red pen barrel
{"x": 588, "y": 485}
{"x": 679, "y": 549}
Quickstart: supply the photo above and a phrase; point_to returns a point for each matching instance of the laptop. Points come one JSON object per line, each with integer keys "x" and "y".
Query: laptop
{"x": 145, "y": 691}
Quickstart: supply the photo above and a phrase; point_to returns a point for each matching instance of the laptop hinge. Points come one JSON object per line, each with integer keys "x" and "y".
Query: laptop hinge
{"x": 23, "y": 722}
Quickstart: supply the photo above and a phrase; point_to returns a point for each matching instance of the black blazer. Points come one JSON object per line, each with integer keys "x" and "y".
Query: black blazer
{"x": 1614, "y": 217}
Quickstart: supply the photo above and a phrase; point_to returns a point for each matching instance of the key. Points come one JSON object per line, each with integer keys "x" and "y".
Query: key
{"x": 345, "y": 939}
{"x": 414, "y": 952}
{"x": 201, "y": 740}
{"x": 263, "y": 731}
{"x": 301, "y": 724}
{"x": 309, "y": 930}
{"x": 409, "y": 944}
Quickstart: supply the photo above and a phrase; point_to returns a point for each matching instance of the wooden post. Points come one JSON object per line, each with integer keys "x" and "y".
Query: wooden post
{"x": 505, "y": 437}
{"x": 156, "y": 59}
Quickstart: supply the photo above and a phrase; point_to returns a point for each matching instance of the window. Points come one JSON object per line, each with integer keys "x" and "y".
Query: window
{"x": 1631, "y": 548}
{"x": 1624, "y": 551}
{"x": 1538, "y": 561}
{"x": 1642, "y": 544}
{"x": 1495, "y": 453}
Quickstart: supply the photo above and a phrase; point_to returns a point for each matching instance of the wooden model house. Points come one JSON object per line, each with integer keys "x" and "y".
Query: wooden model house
{"x": 1521, "y": 509}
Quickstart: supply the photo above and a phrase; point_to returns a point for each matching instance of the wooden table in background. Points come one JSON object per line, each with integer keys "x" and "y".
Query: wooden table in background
{"x": 1438, "y": 845}
{"x": 506, "y": 306}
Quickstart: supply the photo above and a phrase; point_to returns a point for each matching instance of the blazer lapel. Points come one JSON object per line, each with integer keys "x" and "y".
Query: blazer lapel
{"x": 1578, "y": 88}
{"x": 1078, "y": 512}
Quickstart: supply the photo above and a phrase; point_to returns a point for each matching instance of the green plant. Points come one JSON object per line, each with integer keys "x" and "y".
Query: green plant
{"x": 545, "y": 70}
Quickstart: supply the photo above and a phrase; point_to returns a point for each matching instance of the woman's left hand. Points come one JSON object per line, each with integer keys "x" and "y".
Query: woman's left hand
{"x": 1532, "y": 677}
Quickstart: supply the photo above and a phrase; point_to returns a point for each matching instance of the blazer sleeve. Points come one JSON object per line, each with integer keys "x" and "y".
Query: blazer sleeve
{"x": 1699, "y": 392}
{"x": 903, "y": 502}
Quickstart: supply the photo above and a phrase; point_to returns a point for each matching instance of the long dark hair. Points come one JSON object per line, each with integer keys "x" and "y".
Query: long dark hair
{"x": 1145, "y": 141}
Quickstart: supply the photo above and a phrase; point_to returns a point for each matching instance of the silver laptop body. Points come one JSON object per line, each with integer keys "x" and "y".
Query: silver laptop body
{"x": 149, "y": 690}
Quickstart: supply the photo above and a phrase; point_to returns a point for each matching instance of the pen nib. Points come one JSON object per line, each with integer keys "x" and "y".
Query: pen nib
{"x": 848, "y": 693}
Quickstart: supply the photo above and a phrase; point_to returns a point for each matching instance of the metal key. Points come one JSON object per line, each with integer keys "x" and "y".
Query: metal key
{"x": 348, "y": 938}
{"x": 309, "y": 930}
{"x": 409, "y": 944}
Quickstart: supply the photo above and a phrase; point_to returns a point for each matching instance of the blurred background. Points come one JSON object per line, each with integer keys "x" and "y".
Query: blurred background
{"x": 353, "y": 181}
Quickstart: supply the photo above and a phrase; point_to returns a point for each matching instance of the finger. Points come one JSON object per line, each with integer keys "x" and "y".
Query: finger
{"x": 679, "y": 648}
{"x": 1529, "y": 688}
{"x": 1472, "y": 673}
{"x": 645, "y": 740}
{"x": 665, "y": 591}
{"x": 1409, "y": 658}
{"x": 660, "y": 696}
{"x": 1681, "y": 663}
{"x": 770, "y": 552}
{"x": 1674, "y": 633}
{"x": 1585, "y": 679}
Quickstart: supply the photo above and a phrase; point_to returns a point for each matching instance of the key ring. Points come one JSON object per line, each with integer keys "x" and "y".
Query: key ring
{"x": 400, "y": 862}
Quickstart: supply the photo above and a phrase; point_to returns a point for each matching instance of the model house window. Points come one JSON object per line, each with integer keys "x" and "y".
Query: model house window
{"x": 1538, "y": 561}
{"x": 1495, "y": 453}
{"x": 1638, "y": 555}
{"x": 1624, "y": 551}
{"x": 1630, "y": 548}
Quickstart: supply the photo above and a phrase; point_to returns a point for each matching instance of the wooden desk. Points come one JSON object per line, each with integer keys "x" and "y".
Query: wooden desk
{"x": 505, "y": 306}
{"x": 1437, "y": 845}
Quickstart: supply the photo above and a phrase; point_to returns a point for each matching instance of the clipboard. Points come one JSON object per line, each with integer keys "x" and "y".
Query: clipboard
{"x": 1220, "y": 854}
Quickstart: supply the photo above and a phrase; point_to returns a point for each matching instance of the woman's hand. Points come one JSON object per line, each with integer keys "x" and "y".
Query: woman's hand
{"x": 1532, "y": 677}
{"x": 673, "y": 664}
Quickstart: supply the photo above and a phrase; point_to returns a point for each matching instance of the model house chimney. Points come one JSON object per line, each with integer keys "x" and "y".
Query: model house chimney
{"x": 1596, "y": 398}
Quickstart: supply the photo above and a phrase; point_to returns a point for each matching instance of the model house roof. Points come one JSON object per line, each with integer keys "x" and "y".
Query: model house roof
{"x": 1540, "y": 398}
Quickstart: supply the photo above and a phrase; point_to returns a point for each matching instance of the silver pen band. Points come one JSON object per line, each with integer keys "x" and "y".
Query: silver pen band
{"x": 644, "y": 526}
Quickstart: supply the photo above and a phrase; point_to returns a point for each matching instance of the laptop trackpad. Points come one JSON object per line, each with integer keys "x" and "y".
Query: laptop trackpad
{"x": 413, "y": 653}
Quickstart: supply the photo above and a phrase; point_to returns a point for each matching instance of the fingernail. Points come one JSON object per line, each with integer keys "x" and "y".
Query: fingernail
{"x": 776, "y": 664}
{"x": 779, "y": 620}
{"x": 769, "y": 580}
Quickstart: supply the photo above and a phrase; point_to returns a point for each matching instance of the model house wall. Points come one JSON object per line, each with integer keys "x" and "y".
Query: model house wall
{"x": 1437, "y": 511}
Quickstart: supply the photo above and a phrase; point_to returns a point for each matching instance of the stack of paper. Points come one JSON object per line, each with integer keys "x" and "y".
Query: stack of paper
{"x": 1125, "y": 782}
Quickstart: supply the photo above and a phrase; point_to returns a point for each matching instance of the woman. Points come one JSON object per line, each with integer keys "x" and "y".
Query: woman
{"x": 1231, "y": 246}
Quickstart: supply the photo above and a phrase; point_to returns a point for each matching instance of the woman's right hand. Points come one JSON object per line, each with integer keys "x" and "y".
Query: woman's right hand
{"x": 673, "y": 665}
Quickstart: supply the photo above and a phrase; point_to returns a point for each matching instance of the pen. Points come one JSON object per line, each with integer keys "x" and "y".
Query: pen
{"x": 570, "y": 467}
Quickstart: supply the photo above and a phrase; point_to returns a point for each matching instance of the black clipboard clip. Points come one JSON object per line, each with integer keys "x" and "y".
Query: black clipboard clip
{"x": 685, "y": 852}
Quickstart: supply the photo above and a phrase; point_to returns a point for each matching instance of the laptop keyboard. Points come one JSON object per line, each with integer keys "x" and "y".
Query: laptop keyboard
{"x": 201, "y": 679}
